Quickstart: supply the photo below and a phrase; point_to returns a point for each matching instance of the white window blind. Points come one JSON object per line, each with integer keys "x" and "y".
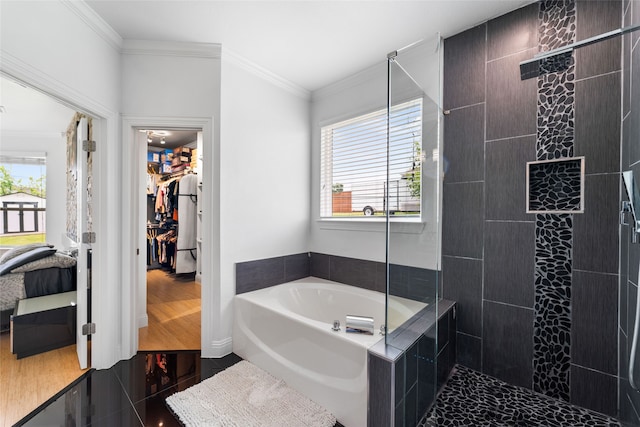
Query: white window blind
{"x": 354, "y": 164}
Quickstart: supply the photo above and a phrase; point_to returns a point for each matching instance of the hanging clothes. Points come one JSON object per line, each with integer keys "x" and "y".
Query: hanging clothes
{"x": 186, "y": 252}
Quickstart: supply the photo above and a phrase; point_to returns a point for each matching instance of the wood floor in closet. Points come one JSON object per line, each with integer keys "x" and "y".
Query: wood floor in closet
{"x": 173, "y": 307}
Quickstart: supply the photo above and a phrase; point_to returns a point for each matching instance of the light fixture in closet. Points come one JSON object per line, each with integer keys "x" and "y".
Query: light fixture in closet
{"x": 162, "y": 141}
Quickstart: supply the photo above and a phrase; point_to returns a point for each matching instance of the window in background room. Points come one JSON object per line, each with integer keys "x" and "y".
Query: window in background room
{"x": 354, "y": 164}
{"x": 22, "y": 199}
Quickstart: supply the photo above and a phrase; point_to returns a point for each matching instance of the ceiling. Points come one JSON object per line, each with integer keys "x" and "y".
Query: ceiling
{"x": 27, "y": 111}
{"x": 310, "y": 43}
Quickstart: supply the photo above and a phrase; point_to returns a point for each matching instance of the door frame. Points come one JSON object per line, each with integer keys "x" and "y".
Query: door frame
{"x": 134, "y": 261}
{"x": 106, "y": 349}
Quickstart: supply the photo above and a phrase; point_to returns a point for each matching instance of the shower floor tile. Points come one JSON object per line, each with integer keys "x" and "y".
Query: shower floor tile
{"x": 470, "y": 398}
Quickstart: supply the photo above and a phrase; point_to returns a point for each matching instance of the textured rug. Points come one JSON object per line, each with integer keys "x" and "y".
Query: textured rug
{"x": 244, "y": 395}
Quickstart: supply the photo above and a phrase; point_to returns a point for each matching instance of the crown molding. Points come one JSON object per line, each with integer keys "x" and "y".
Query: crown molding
{"x": 171, "y": 48}
{"x": 17, "y": 69}
{"x": 376, "y": 71}
{"x": 29, "y": 134}
{"x": 263, "y": 73}
{"x": 95, "y": 22}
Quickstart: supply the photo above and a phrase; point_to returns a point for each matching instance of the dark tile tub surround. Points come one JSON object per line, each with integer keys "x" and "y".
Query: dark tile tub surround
{"x": 546, "y": 269}
{"x": 263, "y": 273}
{"x": 419, "y": 284}
{"x": 403, "y": 373}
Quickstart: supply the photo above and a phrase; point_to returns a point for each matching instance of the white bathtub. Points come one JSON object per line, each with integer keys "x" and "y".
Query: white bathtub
{"x": 286, "y": 330}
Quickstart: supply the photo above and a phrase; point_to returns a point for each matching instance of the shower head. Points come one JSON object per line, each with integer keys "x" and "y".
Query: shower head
{"x": 561, "y": 58}
{"x": 545, "y": 63}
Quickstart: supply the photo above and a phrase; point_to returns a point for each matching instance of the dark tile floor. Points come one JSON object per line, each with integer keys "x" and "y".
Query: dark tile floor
{"x": 131, "y": 393}
{"x": 470, "y": 398}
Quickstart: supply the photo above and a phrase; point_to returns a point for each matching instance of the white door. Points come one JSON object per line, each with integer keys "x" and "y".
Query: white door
{"x": 83, "y": 239}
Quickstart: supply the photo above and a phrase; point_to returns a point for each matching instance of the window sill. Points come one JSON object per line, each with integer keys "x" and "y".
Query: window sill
{"x": 374, "y": 225}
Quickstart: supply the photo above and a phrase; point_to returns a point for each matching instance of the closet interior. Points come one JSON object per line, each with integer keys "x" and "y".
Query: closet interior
{"x": 173, "y": 219}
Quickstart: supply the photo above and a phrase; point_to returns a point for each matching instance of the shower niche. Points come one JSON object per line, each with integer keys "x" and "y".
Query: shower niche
{"x": 555, "y": 186}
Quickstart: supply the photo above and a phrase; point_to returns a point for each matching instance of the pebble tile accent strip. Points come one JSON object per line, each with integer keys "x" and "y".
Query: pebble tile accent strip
{"x": 473, "y": 399}
{"x": 552, "y": 322}
{"x": 553, "y": 258}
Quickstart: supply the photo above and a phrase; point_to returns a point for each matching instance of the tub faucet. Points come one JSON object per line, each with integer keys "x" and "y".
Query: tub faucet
{"x": 336, "y": 325}
{"x": 360, "y": 324}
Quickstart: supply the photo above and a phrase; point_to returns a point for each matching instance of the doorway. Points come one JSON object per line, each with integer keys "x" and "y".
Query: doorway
{"x": 36, "y": 149}
{"x": 170, "y": 204}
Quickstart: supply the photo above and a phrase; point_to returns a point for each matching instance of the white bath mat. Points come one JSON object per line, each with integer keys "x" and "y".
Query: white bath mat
{"x": 244, "y": 395}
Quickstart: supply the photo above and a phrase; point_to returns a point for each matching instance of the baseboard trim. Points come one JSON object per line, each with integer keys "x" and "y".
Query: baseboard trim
{"x": 218, "y": 349}
{"x": 143, "y": 321}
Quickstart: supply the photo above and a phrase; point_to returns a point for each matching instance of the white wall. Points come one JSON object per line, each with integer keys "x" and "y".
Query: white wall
{"x": 171, "y": 84}
{"x": 410, "y": 244}
{"x": 264, "y": 174}
{"x": 56, "y": 47}
{"x": 55, "y": 147}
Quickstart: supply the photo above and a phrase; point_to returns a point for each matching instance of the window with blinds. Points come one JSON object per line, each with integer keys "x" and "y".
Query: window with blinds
{"x": 354, "y": 164}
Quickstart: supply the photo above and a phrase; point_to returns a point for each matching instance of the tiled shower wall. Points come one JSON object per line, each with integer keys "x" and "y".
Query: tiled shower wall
{"x": 492, "y": 127}
{"x": 629, "y": 253}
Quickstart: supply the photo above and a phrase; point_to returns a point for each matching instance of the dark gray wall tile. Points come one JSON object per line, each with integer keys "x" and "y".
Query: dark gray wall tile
{"x": 506, "y": 165}
{"x": 623, "y": 301}
{"x": 507, "y": 346}
{"x": 410, "y": 416}
{"x": 594, "y": 321}
{"x": 380, "y": 383}
{"x": 634, "y": 134}
{"x": 443, "y": 362}
{"x": 355, "y": 272}
{"x": 464, "y": 68}
{"x": 626, "y": 143}
{"x": 511, "y": 102}
{"x": 633, "y": 295}
{"x": 626, "y": 73}
{"x": 635, "y": 19}
{"x": 509, "y": 253}
{"x": 595, "y": 232}
{"x": 426, "y": 373}
{"x": 463, "y": 215}
{"x": 399, "y": 368}
{"x": 513, "y": 32}
{"x": 296, "y": 267}
{"x": 415, "y": 283}
{"x": 469, "y": 351}
{"x": 464, "y": 144}
{"x": 633, "y": 291}
{"x": 623, "y": 356}
{"x": 594, "y": 18}
{"x": 594, "y": 390}
{"x": 597, "y": 123}
{"x": 462, "y": 278}
{"x": 319, "y": 265}
{"x": 411, "y": 367}
{"x": 627, "y": 413}
{"x": 253, "y": 275}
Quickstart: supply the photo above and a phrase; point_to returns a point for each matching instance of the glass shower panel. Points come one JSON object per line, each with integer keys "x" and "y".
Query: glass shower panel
{"x": 412, "y": 207}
